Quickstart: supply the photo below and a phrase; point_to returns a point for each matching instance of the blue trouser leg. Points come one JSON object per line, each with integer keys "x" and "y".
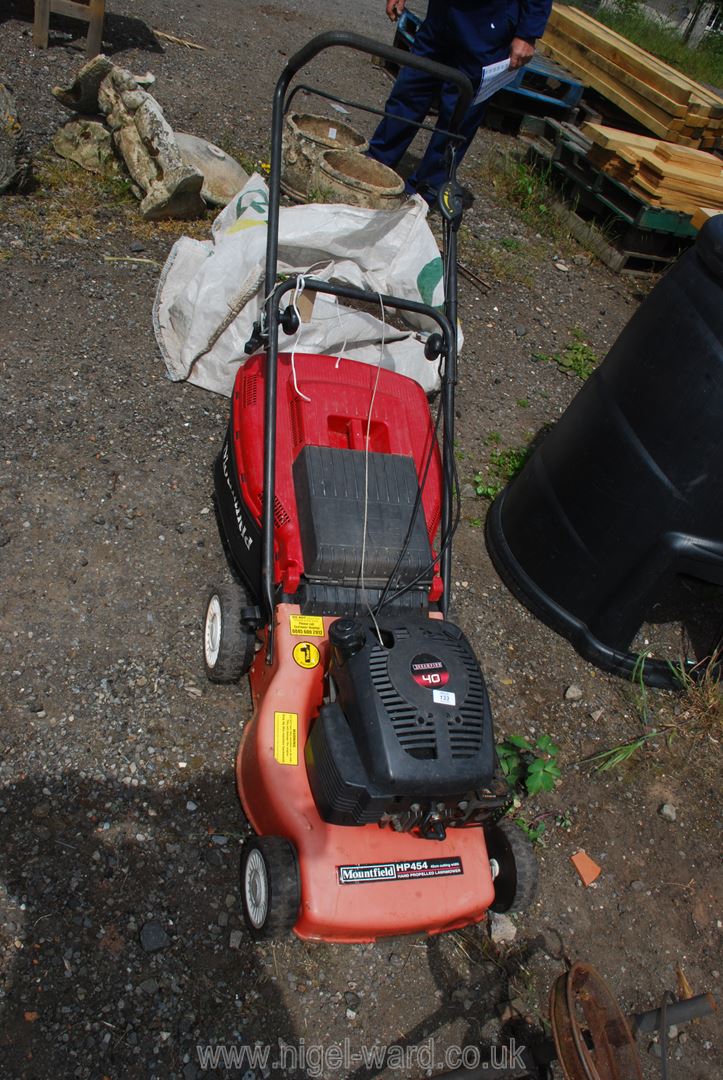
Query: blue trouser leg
{"x": 411, "y": 96}
{"x": 432, "y": 170}
{"x": 466, "y": 34}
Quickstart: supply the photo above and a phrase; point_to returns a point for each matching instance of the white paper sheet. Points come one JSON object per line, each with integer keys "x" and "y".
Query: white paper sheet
{"x": 494, "y": 77}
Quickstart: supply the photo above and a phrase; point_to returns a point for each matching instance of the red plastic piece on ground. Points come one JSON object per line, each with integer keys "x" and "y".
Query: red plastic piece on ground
{"x": 586, "y": 867}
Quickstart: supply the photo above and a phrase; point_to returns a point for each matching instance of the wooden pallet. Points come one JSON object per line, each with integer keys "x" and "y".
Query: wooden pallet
{"x": 666, "y": 102}
{"x": 571, "y": 153}
{"x": 619, "y": 226}
{"x": 545, "y": 81}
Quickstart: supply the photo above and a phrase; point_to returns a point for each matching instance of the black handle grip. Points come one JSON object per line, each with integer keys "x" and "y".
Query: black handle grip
{"x": 385, "y": 52}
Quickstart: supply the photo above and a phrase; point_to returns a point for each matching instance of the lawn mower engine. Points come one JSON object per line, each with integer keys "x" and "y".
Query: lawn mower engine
{"x": 406, "y": 740}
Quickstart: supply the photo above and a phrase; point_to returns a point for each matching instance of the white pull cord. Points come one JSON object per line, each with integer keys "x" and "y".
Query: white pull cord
{"x": 363, "y": 590}
{"x": 298, "y": 290}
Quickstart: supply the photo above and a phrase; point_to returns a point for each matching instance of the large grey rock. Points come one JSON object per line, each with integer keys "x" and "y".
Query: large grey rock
{"x": 223, "y": 177}
{"x": 88, "y": 143}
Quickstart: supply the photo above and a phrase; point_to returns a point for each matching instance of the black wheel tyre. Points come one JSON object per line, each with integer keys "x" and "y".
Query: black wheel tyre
{"x": 514, "y": 867}
{"x": 270, "y": 889}
{"x": 228, "y": 649}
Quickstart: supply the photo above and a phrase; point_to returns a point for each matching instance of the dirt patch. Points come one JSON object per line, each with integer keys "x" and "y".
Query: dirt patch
{"x": 117, "y": 804}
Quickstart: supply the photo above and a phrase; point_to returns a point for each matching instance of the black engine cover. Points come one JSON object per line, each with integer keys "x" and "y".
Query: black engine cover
{"x": 411, "y": 724}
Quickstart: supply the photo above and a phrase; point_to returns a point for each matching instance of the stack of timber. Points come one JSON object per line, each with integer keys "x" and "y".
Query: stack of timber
{"x": 621, "y": 226}
{"x": 665, "y": 174}
{"x": 661, "y": 99}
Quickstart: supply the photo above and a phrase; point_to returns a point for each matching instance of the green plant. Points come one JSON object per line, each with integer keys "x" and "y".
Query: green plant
{"x": 536, "y": 827}
{"x": 507, "y": 259}
{"x": 618, "y": 755}
{"x": 534, "y": 830}
{"x": 702, "y": 694}
{"x": 700, "y": 714}
{"x": 530, "y": 766}
{"x": 642, "y": 698}
{"x": 529, "y": 191}
{"x": 578, "y": 357}
{"x": 502, "y": 466}
{"x": 475, "y": 522}
{"x": 523, "y": 403}
{"x": 321, "y": 195}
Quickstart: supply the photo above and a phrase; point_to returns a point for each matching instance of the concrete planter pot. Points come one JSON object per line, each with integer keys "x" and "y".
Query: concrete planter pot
{"x": 357, "y": 181}
{"x": 306, "y": 137}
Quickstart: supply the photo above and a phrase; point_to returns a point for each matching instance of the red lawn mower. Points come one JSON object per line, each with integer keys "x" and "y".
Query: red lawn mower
{"x": 368, "y": 770}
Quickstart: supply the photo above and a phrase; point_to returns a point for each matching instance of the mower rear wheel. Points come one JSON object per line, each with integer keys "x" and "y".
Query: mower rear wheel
{"x": 514, "y": 867}
{"x": 270, "y": 888}
{"x": 228, "y": 648}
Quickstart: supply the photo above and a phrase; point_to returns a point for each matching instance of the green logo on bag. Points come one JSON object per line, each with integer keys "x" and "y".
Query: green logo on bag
{"x": 428, "y": 279}
{"x": 257, "y": 199}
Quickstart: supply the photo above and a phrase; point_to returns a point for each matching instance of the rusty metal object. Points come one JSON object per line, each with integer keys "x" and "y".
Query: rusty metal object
{"x": 592, "y": 1036}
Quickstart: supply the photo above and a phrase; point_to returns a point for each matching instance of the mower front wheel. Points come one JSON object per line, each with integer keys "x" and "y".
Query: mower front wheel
{"x": 514, "y": 867}
{"x": 228, "y": 648}
{"x": 270, "y": 888}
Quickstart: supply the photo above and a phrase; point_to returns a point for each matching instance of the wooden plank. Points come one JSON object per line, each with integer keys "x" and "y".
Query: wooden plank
{"x": 669, "y": 80}
{"x": 71, "y": 9}
{"x": 639, "y": 62}
{"x": 610, "y": 67}
{"x": 94, "y": 41}
{"x": 703, "y": 214}
{"x": 674, "y": 183}
{"x": 41, "y": 21}
{"x": 610, "y": 137}
{"x": 687, "y": 202}
{"x": 682, "y": 140}
{"x": 640, "y": 110}
{"x": 679, "y": 180}
{"x": 696, "y": 159}
{"x": 636, "y": 66}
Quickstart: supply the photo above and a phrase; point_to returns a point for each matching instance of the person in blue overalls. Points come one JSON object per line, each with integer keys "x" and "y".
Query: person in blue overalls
{"x": 466, "y": 34}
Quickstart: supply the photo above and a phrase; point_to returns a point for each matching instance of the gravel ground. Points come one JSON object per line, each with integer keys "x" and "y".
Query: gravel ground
{"x": 121, "y": 938}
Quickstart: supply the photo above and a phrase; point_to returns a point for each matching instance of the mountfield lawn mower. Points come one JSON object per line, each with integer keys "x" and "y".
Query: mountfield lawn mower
{"x": 368, "y": 770}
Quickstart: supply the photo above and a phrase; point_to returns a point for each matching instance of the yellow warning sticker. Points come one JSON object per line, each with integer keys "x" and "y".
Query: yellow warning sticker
{"x": 306, "y": 654}
{"x": 286, "y": 738}
{"x": 306, "y": 625}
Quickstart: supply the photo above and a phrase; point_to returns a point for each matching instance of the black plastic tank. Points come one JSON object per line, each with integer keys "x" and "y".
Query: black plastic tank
{"x": 625, "y": 495}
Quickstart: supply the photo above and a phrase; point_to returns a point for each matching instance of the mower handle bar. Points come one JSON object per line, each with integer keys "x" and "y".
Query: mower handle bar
{"x": 385, "y": 52}
{"x": 269, "y": 327}
{"x": 348, "y": 292}
{"x": 300, "y": 59}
